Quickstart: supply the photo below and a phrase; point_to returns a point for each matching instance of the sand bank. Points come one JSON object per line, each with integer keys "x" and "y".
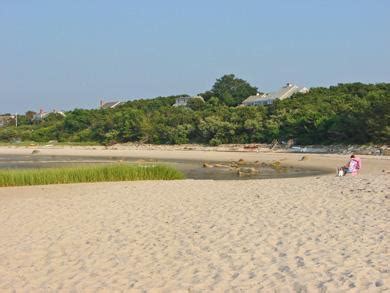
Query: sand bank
{"x": 296, "y": 234}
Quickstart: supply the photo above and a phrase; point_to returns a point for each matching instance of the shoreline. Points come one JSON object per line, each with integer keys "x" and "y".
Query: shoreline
{"x": 375, "y": 150}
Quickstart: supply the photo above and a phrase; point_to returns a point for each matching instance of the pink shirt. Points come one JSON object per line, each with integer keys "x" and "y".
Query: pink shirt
{"x": 353, "y": 166}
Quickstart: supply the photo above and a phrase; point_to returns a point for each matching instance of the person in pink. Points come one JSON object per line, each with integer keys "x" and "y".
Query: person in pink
{"x": 353, "y": 166}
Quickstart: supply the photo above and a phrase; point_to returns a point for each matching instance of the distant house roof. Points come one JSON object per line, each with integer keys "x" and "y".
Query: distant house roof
{"x": 109, "y": 105}
{"x": 182, "y": 101}
{"x": 254, "y": 98}
{"x": 42, "y": 114}
{"x": 285, "y": 92}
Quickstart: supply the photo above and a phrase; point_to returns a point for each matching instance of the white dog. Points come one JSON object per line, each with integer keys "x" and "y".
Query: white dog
{"x": 340, "y": 172}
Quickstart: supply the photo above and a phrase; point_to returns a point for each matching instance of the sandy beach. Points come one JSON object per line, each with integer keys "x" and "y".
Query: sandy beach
{"x": 308, "y": 234}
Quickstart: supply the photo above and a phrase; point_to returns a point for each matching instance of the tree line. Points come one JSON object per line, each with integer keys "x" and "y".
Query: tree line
{"x": 346, "y": 113}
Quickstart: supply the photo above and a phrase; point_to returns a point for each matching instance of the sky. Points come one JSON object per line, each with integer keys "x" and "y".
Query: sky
{"x": 68, "y": 54}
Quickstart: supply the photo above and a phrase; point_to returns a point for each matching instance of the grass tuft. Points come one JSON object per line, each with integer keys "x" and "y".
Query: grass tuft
{"x": 96, "y": 173}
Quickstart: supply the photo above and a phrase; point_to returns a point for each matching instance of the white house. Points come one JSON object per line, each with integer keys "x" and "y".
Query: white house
{"x": 267, "y": 99}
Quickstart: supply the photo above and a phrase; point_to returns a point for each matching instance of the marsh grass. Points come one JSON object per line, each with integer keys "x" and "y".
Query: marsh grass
{"x": 112, "y": 172}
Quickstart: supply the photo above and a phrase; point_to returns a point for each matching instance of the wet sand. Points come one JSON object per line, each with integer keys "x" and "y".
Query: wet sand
{"x": 293, "y": 234}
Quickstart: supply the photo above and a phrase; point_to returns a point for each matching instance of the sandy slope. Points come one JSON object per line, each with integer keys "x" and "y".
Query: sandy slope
{"x": 313, "y": 234}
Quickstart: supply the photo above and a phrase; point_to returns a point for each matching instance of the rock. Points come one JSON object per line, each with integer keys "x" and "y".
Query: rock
{"x": 34, "y": 152}
{"x": 221, "y": 166}
{"x": 379, "y": 283}
{"x": 206, "y": 165}
{"x": 234, "y": 165}
{"x": 386, "y": 152}
{"x": 241, "y": 161}
{"x": 277, "y": 166}
{"x": 363, "y": 152}
{"x": 304, "y": 158}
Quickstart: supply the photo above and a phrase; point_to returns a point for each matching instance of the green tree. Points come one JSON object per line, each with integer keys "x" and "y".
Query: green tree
{"x": 345, "y": 113}
{"x": 231, "y": 90}
{"x": 196, "y": 104}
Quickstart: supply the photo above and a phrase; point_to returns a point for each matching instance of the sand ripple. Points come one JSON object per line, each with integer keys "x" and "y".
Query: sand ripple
{"x": 303, "y": 235}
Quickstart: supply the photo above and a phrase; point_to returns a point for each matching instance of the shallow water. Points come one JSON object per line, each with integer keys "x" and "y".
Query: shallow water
{"x": 191, "y": 169}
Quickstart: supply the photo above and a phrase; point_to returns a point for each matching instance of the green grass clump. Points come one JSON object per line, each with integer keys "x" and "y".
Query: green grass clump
{"x": 114, "y": 172}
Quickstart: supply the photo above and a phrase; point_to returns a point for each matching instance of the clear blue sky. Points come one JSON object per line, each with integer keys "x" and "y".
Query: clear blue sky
{"x": 71, "y": 53}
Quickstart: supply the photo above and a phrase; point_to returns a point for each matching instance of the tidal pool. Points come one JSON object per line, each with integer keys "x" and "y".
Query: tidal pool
{"x": 192, "y": 169}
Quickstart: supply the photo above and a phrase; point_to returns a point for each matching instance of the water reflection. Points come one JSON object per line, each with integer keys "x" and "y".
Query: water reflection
{"x": 192, "y": 169}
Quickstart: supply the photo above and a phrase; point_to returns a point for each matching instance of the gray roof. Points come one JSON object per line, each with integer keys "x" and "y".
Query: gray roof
{"x": 110, "y": 105}
{"x": 43, "y": 115}
{"x": 283, "y": 93}
{"x": 254, "y": 98}
{"x": 189, "y": 98}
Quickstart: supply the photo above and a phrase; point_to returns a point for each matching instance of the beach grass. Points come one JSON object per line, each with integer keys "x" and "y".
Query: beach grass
{"x": 95, "y": 173}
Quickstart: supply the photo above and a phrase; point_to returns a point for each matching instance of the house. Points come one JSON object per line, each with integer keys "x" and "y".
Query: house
{"x": 254, "y": 100}
{"x": 6, "y": 120}
{"x": 42, "y": 115}
{"x": 182, "y": 101}
{"x": 109, "y": 105}
{"x": 267, "y": 99}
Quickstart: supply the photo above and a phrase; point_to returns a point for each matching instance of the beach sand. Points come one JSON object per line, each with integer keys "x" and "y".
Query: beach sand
{"x": 311, "y": 234}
